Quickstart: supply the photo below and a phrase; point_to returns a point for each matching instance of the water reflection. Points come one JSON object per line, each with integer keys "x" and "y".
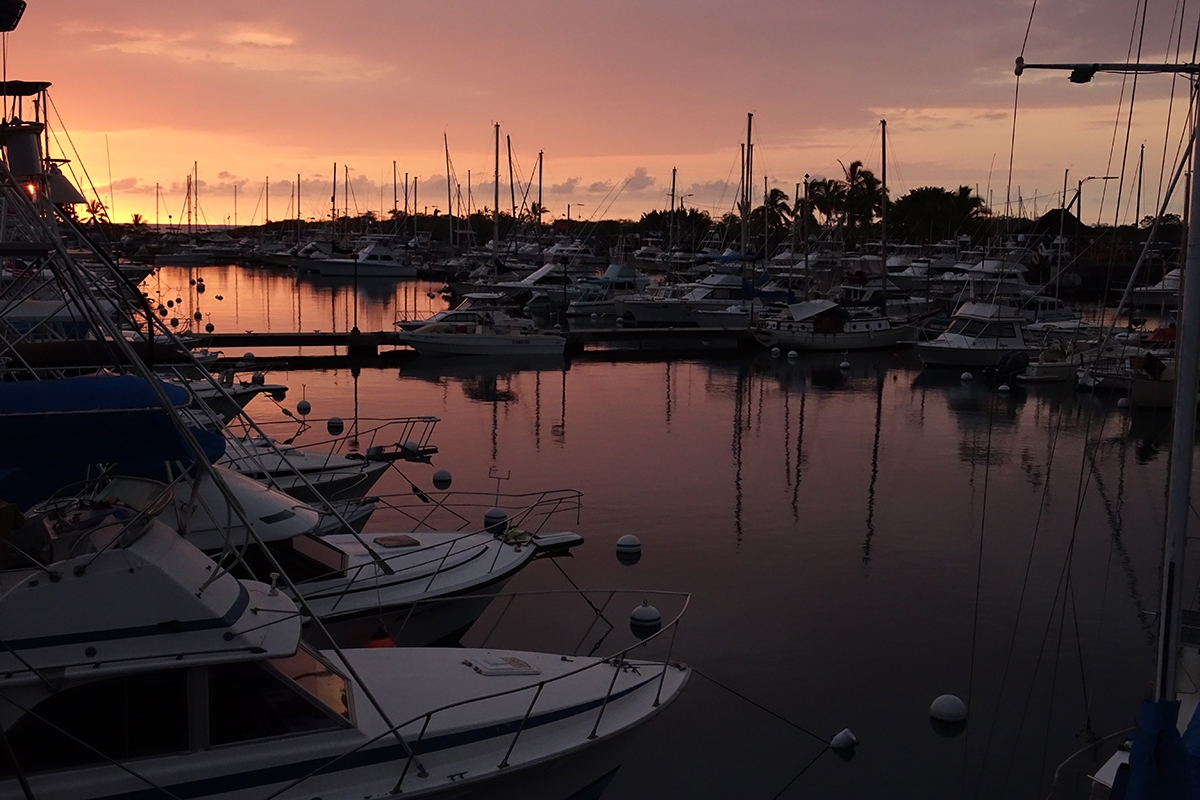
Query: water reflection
{"x": 850, "y": 504}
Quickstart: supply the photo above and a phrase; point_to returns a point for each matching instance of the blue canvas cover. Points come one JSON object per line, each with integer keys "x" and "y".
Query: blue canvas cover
{"x": 51, "y": 432}
{"x": 1162, "y": 764}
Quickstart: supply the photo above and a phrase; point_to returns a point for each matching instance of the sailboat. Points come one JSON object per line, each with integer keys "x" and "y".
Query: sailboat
{"x": 828, "y": 325}
{"x": 1163, "y": 756}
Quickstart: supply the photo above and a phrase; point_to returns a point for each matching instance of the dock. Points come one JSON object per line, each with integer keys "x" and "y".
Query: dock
{"x": 386, "y": 346}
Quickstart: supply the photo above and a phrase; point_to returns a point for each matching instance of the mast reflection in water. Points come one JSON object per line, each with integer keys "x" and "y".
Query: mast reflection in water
{"x": 830, "y": 524}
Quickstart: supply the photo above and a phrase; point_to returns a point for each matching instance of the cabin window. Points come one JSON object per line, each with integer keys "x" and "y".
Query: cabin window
{"x": 1000, "y": 330}
{"x": 132, "y": 716}
{"x": 966, "y": 327}
{"x": 258, "y": 700}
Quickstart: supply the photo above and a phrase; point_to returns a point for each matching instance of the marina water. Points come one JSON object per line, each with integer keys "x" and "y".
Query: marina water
{"x": 856, "y": 541}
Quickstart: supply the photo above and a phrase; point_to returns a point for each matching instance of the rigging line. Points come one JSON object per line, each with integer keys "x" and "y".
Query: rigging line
{"x": 800, "y": 773}
{"x": 987, "y": 469}
{"x": 1083, "y": 681}
{"x": 1012, "y": 141}
{"x": 1125, "y": 151}
{"x": 74, "y": 149}
{"x": 1062, "y": 619}
{"x": 1012, "y": 642}
{"x": 1028, "y": 27}
{"x": 1112, "y": 146}
{"x": 1036, "y": 668}
{"x": 1180, "y": 12}
{"x": 759, "y": 706}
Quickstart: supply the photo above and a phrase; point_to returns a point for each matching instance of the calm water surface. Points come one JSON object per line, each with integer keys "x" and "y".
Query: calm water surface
{"x": 855, "y": 542}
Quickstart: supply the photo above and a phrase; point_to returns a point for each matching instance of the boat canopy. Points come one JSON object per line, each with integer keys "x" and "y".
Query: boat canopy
{"x": 54, "y": 430}
{"x": 810, "y": 308}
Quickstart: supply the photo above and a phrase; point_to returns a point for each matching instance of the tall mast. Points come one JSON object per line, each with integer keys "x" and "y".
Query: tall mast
{"x": 333, "y": 199}
{"x": 539, "y": 219}
{"x": 883, "y": 251}
{"x": 299, "y": 216}
{"x": 345, "y": 190}
{"x": 804, "y": 223}
{"x": 234, "y": 204}
{"x": 746, "y": 173}
{"x": 1187, "y": 376}
{"x": 512, "y": 184}
{"x": 395, "y": 199}
{"x": 671, "y": 220}
{"x": 414, "y": 209}
{"x": 449, "y": 190}
{"x": 195, "y": 190}
{"x": 267, "y": 208}
{"x": 496, "y": 202}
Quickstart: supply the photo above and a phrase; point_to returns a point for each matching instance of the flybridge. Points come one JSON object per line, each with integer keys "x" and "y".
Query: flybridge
{"x": 25, "y": 150}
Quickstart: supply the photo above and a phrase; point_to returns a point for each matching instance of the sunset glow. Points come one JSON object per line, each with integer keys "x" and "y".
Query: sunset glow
{"x": 616, "y": 95}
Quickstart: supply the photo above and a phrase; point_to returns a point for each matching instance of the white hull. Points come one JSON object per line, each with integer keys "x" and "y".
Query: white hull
{"x": 937, "y": 355}
{"x": 857, "y": 340}
{"x": 553, "y": 756}
{"x": 485, "y": 344}
{"x": 679, "y": 313}
{"x": 334, "y": 268}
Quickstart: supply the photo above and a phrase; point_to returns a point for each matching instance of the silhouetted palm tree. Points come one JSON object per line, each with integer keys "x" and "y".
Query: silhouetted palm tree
{"x": 97, "y": 212}
{"x": 864, "y": 198}
{"x": 828, "y": 198}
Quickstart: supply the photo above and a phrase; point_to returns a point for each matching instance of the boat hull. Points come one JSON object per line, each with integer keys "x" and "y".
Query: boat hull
{"x": 484, "y": 344}
{"x": 811, "y": 341}
{"x": 933, "y": 355}
{"x": 339, "y": 269}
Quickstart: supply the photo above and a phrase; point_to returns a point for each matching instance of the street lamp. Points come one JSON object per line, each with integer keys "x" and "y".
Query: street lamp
{"x": 569, "y": 216}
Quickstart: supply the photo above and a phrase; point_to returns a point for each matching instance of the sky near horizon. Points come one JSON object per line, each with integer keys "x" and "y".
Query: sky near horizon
{"x": 616, "y": 93}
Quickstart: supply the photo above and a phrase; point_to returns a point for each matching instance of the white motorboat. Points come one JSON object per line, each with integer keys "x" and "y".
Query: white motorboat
{"x": 482, "y": 335}
{"x": 227, "y": 400}
{"x": 599, "y": 295}
{"x": 307, "y": 475}
{"x": 684, "y": 304}
{"x": 373, "y": 261}
{"x": 825, "y": 325}
{"x": 207, "y": 692}
{"x": 1164, "y": 294}
{"x": 416, "y": 587}
{"x": 495, "y": 302}
{"x": 979, "y": 335}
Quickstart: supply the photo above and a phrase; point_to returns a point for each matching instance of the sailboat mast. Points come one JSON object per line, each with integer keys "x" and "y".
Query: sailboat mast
{"x": 1183, "y": 438}
{"x": 235, "y": 218}
{"x": 671, "y": 220}
{"x": 883, "y": 204}
{"x": 746, "y": 173}
{"x": 333, "y": 197}
{"x": 512, "y": 184}
{"x": 539, "y": 219}
{"x": 496, "y": 202}
{"x": 804, "y": 233}
{"x": 449, "y": 190}
{"x": 299, "y": 216}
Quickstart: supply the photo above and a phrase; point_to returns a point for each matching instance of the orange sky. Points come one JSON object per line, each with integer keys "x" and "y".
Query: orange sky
{"x": 616, "y": 93}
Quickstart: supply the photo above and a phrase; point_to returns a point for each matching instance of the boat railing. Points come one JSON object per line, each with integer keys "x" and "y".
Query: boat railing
{"x": 617, "y": 661}
{"x": 390, "y": 439}
{"x": 528, "y": 511}
{"x": 526, "y": 514}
